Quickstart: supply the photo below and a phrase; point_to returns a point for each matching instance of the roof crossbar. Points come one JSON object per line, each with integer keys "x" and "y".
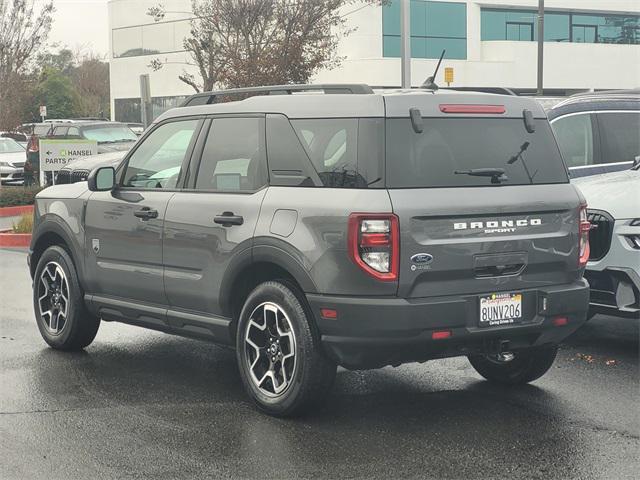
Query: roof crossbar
{"x": 206, "y": 98}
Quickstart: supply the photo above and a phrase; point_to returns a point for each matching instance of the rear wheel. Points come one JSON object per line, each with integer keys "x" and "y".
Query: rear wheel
{"x": 281, "y": 362}
{"x": 517, "y": 368}
{"x": 62, "y": 317}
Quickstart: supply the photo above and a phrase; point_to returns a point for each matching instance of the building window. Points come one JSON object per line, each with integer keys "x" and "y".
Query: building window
{"x": 521, "y": 25}
{"x": 128, "y": 109}
{"x": 435, "y": 26}
{"x": 519, "y": 31}
{"x": 152, "y": 39}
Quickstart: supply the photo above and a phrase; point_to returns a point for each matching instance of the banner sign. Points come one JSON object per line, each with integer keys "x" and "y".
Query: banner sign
{"x": 55, "y": 154}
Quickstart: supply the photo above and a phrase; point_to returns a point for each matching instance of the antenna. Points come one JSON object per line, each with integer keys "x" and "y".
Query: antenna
{"x": 430, "y": 82}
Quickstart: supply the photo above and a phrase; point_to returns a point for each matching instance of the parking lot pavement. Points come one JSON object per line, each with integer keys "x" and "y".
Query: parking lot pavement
{"x": 141, "y": 404}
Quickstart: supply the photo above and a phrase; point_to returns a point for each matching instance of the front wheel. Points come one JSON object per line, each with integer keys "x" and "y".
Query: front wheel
{"x": 62, "y": 317}
{"x": 282, "y": 365}
{"x": 517, "y": 368}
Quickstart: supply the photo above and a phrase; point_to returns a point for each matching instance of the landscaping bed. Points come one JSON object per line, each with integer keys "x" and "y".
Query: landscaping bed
{"x": 20, "y": 234}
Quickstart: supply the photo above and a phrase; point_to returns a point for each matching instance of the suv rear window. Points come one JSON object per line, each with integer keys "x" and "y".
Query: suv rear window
{"x": 447, "y": 145}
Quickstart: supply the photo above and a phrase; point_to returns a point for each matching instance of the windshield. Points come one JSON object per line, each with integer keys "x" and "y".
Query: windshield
{"x": 9, "y": 145}
{"x": 109, "y": 133}
{"x": 449, "y": 152}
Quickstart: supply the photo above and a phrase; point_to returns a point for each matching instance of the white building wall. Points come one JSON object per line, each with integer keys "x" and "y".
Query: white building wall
{"x": 489, "y": 63}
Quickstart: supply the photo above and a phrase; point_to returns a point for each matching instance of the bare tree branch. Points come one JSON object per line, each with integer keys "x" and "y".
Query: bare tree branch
{"x": 239, "y": 43}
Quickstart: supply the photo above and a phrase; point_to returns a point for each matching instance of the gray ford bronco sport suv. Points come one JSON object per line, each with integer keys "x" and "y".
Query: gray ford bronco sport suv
{"x": 316, "y": 226}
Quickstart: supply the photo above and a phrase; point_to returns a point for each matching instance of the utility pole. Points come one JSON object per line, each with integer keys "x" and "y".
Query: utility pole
{"x": 145, "y": 100}
{"x": 405, "y": 43}
{"x": 540, "y": 45}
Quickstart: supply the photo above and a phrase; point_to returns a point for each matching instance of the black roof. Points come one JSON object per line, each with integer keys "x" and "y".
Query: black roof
{"x": 597, "y": 101}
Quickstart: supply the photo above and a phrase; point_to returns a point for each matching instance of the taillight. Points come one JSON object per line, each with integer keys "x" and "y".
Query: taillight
{"x": 374, "y": 244}
{"x": 33, "y": 144}
{"x": 585, "y": 226}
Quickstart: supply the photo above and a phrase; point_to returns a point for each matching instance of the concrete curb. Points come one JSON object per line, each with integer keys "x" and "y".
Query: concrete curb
{"x": 15, "y": 239}
{"x": 16, "y": 211}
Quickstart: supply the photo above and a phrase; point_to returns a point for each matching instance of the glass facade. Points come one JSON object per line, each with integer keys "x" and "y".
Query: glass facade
{"x": 435, "y": 26}
{"x": 521, "y": 25}
{"x": 152, "y": 39}
{"x": 128, "y": 109}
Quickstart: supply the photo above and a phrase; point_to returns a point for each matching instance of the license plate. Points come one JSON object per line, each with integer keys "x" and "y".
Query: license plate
{"x": 500, "y": 309}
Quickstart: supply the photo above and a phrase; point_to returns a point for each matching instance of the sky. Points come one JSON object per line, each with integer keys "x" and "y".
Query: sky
{"x": 80, "y": 23}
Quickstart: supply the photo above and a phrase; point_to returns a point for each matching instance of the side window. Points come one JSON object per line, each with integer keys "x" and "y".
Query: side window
{"x": 41, "y": 130}
{"x": 234, "y": 156}
{"x": 156, "y": 163}
{"x": 60, "y": 131}
{"x": 575, "y": 138}
{"x": 332, "y": 144}
{"x": 620, "y": 133}
{"x": 73, "y": 132}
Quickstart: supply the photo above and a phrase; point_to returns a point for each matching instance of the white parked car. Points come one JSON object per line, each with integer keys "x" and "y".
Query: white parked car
{"x": 12, "y": 159}
{"x": 613, "y": 270}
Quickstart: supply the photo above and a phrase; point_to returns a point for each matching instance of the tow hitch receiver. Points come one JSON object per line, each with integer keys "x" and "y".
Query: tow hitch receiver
{"x": 496, "y": 346}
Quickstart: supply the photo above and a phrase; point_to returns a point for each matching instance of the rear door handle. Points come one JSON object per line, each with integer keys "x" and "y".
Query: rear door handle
{"x": 145, "y": 213}
{"x": 228, "y": 219}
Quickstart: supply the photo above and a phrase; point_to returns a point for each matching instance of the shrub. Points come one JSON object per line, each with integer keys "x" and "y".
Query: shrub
{"x": 17, "y": 196}
{"x": 24, "y": 225}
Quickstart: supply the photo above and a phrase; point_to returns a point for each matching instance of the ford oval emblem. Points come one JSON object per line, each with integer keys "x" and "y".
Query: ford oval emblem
{"x": 422, "y": 258}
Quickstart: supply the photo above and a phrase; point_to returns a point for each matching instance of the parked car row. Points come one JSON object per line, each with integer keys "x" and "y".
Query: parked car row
{"x": 110, "y": 137}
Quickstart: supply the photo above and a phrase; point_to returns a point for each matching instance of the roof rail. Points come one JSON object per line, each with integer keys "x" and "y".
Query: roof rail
{"x": 206, "y": 98}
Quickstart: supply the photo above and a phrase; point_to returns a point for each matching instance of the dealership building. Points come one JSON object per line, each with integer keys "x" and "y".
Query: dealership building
{"x": 589, "y": 44}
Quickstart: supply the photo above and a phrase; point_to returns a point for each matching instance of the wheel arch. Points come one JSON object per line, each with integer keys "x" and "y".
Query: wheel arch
{"x": 51, "y": 232}
{"x": 264, "y": 264}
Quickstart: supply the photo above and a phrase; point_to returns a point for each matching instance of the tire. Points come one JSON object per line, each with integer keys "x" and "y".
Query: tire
{"x": 527, "y": 365}
{"x": 74, "y": 327}
{"x": 297, "y": 383}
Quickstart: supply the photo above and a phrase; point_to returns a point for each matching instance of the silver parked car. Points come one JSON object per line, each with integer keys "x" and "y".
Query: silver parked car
{"x": 12, "y": 158}
{"x": 613, "y": 270}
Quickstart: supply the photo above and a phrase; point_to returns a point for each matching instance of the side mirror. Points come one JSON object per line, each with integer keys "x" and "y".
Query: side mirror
{"x": 102, "y": 179}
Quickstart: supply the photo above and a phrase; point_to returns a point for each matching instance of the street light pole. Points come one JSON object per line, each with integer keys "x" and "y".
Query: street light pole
{"x": 405, "y": 43}
{"x": 540, "y": 45}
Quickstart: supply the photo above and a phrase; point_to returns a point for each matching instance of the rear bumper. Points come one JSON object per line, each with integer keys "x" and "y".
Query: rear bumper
{"x": 371, "y": 332}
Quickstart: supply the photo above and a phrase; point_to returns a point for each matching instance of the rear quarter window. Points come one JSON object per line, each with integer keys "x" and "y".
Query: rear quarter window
{"x": 450, "y": 145}
{"x": 345, "y": 152}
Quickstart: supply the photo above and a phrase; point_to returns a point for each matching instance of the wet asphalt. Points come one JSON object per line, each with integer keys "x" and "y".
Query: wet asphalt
{"x": 140, "y": 404}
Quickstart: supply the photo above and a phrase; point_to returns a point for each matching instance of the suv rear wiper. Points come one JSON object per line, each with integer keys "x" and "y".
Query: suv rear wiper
{"x": 497, "y": 174}
{"x": 519, "y": 156}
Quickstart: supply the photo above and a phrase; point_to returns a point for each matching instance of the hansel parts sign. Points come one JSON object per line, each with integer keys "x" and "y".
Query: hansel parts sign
{"x": 55, "y": 154}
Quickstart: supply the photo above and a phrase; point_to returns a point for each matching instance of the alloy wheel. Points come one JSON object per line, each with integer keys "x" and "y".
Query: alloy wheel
{"x": 270, "y": 349}
{"x": 53, "y": 297}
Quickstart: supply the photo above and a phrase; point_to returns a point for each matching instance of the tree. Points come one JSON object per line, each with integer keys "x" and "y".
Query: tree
{"x": 23, "y": 31}
{"x": 90, "y": 79}
{"x": 239, "y": 43}
{"x": 62, "y": 60}
{"x": 56, "y": 91}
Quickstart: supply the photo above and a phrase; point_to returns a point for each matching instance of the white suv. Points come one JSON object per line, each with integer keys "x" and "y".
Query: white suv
{"x": 613, "y": 270}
